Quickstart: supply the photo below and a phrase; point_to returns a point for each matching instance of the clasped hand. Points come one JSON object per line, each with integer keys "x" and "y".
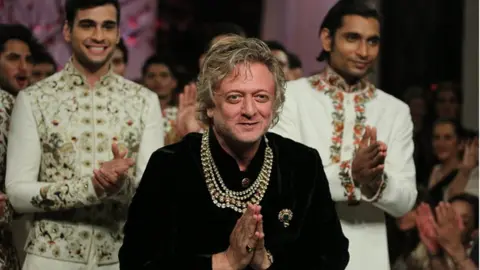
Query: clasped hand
{"x": 109, "y": 179}
{"x": 247, "y": 244}
{"x": 369, "y": 161}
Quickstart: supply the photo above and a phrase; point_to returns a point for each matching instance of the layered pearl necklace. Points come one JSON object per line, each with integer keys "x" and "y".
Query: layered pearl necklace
{"x": 226, "y": 198}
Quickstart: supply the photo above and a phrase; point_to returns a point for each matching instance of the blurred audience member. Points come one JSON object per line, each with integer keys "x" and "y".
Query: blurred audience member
{"x": 279, "y": 51}
{"x": 447, "y": 100}
{"x": 120, "y": 58}
{"x": 159, "y": 76}
{"x": 43, "y": 66}
{"x": 422, "y": 155}
{"x": 17, "y": 47}
{"x": 447, "y": 236}
{"x": 458, "y": 161}
{"x": 219, "y": 31}
{"x": 295, "y": 66}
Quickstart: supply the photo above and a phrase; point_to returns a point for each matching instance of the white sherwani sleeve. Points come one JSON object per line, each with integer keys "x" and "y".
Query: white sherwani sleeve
{"x": 400, "y": 192}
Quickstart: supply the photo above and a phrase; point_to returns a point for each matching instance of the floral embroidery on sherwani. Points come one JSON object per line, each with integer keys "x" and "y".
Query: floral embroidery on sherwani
{"x": 334, "y": 86}
{"x": 8, "y": 255}
{"x": 77, "y": 125}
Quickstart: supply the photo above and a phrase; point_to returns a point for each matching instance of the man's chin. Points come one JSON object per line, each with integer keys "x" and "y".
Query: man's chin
{"x": 248, "y": 137}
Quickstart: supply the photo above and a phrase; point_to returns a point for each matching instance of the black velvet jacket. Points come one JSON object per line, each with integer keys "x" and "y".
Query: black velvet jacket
{"x": 173, "y": 223}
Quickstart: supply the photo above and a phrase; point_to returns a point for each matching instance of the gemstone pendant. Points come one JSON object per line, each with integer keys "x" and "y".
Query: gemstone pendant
{"x": 245, "y": 182}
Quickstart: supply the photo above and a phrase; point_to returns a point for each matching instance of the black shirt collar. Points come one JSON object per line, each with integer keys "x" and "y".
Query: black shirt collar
{"x": 228, "y": 167}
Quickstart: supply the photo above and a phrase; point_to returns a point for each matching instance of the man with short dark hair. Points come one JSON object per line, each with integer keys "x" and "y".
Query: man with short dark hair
{"x": 79, "y": 142}
{"x": 158, "y": 75}
{"x": 17, "y": 47}
{"x": 43, "y": 66}
{"x": 295, "y": 66}
{"x": 281, "y": 54}
{"x": 370, "y": 169}
{"x": 120, "y": 58}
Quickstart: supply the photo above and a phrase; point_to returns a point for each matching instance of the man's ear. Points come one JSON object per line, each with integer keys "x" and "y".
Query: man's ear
{"x": 326, "y": 39}
{"x": 67, "y": 32}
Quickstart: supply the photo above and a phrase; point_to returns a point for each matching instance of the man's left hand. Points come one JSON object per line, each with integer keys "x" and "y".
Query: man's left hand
{"x": 260, "y": 258}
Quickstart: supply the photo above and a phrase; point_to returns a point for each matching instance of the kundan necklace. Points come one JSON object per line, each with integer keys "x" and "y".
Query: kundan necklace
{"x": 226, "y": 198}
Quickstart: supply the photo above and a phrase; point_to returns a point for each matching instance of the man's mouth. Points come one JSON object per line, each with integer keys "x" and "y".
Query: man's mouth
{"x": 22, "y": 80}
{"x": 97, "y": 49}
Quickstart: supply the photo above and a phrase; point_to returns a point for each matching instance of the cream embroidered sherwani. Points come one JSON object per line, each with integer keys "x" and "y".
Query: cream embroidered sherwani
{"x": 325, "y": 113}
{"x": 62, "y": 129}
{"x": 8, "y": 255}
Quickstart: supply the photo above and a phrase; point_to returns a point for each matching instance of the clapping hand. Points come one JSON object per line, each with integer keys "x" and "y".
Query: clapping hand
{"x": 449, "y": 228}
{"x": 109, "y": 178}
{"x": 426, "y": 228}
{"x": 368, "y": 163}
{"x": 470, "y": 155}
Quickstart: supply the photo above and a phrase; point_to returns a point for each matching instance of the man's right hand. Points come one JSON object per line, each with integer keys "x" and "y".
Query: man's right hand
{"x": 369, "y": 159}
{"x": 109, "y": 178}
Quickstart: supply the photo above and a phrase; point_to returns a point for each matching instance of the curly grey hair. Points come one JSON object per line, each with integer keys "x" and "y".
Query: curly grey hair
{"x": 221, "y": 60}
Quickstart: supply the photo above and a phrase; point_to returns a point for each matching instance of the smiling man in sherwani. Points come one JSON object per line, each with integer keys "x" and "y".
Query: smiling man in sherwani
{"x": 78, "y": 145}
{"x": 363, "y": 134}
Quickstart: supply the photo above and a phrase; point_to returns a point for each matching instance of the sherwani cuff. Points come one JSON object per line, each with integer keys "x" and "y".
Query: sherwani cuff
{"x": 381, "y": 187}
{"x": 57, "y": 196}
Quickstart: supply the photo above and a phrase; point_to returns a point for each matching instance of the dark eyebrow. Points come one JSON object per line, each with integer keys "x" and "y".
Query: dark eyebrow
{"x": 358, "y": 35}
{"x": 13, "y": 54}
{"x": 87, "y": 21}
{"x": 109, "y": 23}
{"x": 104, "y": 23}
{"x": 353, "y": 34}
{"x": 374, "y": 37}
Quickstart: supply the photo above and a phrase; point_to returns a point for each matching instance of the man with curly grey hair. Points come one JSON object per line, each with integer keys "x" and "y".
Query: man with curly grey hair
{"x": 243, "y": 198}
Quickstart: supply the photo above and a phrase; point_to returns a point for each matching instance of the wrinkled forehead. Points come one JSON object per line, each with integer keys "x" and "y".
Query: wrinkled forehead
{"x": 248, "y": 77}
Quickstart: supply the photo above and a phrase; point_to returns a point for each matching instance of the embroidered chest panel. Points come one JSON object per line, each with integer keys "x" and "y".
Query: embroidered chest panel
{"x": 78, "y": 125}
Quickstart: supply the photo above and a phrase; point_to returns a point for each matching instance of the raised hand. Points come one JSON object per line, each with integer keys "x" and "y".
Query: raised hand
{"x": 109, "y": 178}
{"x": 369, "y": 159}
{"x": 449, "y": 228}
{"x": 426, "y": 228}
{"x": 187, "y": 121}
{"x": 470, "y": 155}
{"x": 244, "y": 238}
